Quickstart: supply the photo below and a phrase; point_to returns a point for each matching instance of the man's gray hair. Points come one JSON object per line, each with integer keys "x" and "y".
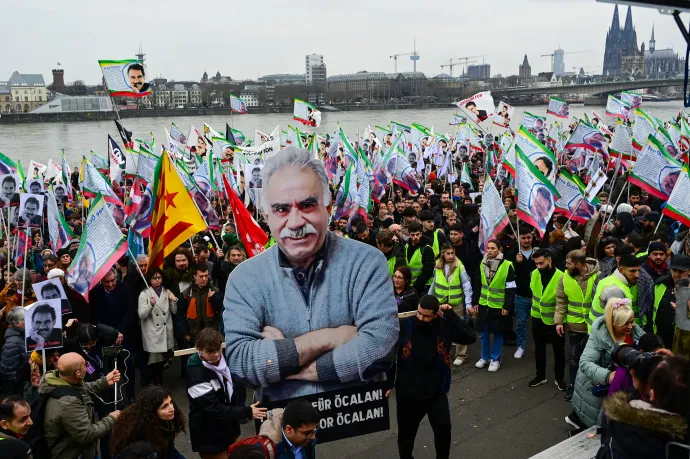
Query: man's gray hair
{"x": 15, "y": 316}
{"x": 141, "y": 257}
{"x": 298, "y": 158}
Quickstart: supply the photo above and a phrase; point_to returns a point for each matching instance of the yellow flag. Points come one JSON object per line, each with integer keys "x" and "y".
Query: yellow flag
{"x": 175, "y": 216}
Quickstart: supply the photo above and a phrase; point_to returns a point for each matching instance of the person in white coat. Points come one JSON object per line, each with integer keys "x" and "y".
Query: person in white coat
{"x": 157, "y": 305}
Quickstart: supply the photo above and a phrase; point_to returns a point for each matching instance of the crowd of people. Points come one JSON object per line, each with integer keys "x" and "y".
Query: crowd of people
{"x": 611, "y": 280}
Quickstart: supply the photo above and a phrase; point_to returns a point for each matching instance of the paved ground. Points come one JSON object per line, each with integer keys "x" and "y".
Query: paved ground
{"x": 494, "y": 415}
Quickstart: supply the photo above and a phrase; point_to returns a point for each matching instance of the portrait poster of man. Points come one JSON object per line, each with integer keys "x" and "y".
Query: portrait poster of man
{"x": 656, "y": 171}
{"x": 558, "y": 108}
{"x": 254, "y": 188}
{"x": 586, "y": 136}
{"x": 52, "y": 289}
{"x": 43, "y": 325}
{"x": 30, "y": 210}
{"x": 536, "y": 194}
{"x": 9, "y": 190}
{"x": 61, "y": 195}
{"x": 197, "y": 143}
{"x": 503, "y": 115}
{"x": 266, "y": 335}
{"x": 35, "y": 186}
{"x": 125, "y": 78}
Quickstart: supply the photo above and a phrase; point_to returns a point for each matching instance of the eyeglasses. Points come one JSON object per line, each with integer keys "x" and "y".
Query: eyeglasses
{"x": 157, "y": 278}
{"x": 309, "y": 433}
{"x": 398, "y": 277}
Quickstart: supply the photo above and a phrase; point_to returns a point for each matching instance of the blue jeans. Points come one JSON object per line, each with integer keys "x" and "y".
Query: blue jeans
{"x": 495, "y": 351}
{"x": 522, "y": 313}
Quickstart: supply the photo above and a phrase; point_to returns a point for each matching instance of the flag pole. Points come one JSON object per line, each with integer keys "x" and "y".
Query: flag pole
{"x": 138, "y": 268}
{"x": 26, "y": 270}
{"x": 661, "y": 217}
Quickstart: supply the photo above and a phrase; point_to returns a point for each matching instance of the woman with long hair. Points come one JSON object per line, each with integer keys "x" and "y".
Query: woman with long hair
{"x": 405, "y": 295}
{"x": 154, "y": 417}
{"x": 605, "y": 254}
{"x": 615, "y": 326}
{"x": 157, "y": 305}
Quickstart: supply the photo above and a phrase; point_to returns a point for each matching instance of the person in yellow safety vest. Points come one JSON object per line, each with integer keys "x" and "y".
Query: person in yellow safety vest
{"x": 573, "y": 302}
{"x": 392, "y": 251}
{"x": 661, "y": 318}
{"x": 496, "y": 303}
{"x": 434, "y": 237}
{"x": 452, "y": 286}
{"x": 544, "y": 283}
{"x": 420, "y": 259}
{"x": 621, "y": 284}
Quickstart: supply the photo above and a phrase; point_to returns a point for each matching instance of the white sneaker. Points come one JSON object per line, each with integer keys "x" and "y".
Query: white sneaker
{"x": 494, "y": 366}
{"x": 458, "y": 361}
{"x": 481, "y": 363}
{"x": 519, "y": 353}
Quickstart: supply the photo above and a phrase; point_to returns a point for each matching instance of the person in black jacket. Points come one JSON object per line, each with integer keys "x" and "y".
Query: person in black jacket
{"x": 213, "y": 420}
{"x": 521, "y": 256}
{"x": 423, "y": 374}
{"x": 13, "y": 350}
{"x": 226, "y": 264}
{"x": 641, "y": 429}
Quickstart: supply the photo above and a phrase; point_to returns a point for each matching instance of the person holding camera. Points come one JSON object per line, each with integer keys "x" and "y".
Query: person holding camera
{"x": 594, "y": 372}
{"x": 641, "y": 427}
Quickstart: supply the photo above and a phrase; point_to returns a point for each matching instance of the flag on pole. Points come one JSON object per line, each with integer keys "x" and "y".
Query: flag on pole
{"x": 621, "y": 144}
{"x": 632, "y": 99}
{"x": 346, "y": 198}
{"x": 644, "y": 127}
{"x": 617, "y": 108}
{"x": 95, "y": 183}
{"x": 537, "y": 196}
{"x": 558, "y": 107}
{"x": 237, "y": 105}
{"x": 125, "y": 135}
{"x": 678, "y": 205}
{"x": 59, "y": 231}
{"x": 7, "y": 166}
{"x": 253, "y": 237}
{"x": 481, "y": 105}
{"x": 118, "y": 162}
{"x": 306, "y": 113}
{"x": 20, "y": 247}
{"x": 175, "y": 216}
{"x": 135, "y": 242}
{"x": 655, "y": 170}
{"x": 493, "y": 217}
{"x": 102, "y": 244}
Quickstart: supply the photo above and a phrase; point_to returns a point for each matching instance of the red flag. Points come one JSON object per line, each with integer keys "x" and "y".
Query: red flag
{"x": 134, "y": 199}
{"x": 251, "y": 234}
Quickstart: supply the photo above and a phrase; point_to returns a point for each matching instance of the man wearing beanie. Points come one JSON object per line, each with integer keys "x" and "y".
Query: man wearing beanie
{"x": 433, "y": 237}
{"x": 661, "y": 318}
{"x": 655, "y": 264}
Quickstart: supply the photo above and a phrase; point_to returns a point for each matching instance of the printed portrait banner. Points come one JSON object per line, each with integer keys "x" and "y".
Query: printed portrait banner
{"x": 480, "y": 105}
{"x": 43, "y": 325}
{"x": 644, "y": 127}
{"x": 146, "y": 164}
{"x": 34, "y": 186}
{"x": 348, "y": 412}
{"x": 53, "y": 172}
{"x": 586, "y": 136}
{"x": 196, "y": 142}
{"x": 622, "y": 144}
{"x": 238, "y": 105}
{"x": 126, "y": 78}
{"x": 534, "y": 150}
{"x": 617, "y": 108}
{"x": 537, "y": 196}
{"x": 504, "y": 114}
{"x": 533, "y": 122}
{"x": 655, "y": 170}
{"x": 95, "y": 183}
{"x": 52, "y": 289}
{"x": 631, "y": 99}
{"x": 60, "y": 233}
{"x": 571, "y": 201}
{"x": 306, "y": 113}
{"x": 30, "y": 213}
{"x": 558, "y": 107}
{"x": 118, "y": 161}
{"x": 102, "y": 244}
{"x": 493, "y": 215}
{"x": 35, "y": 170}
{"x": 678, "y": 205}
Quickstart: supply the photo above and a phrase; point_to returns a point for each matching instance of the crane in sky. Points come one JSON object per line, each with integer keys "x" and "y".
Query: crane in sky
{"x": 570, "y": 52}
{"x": 464, "y": 61}
{"x": 414, "y": 57}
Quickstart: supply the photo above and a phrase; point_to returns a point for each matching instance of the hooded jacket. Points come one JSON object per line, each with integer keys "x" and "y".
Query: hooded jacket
{"x": 562, "y": 298}
{"x": 69, "y": 424}
{"x": 13, "y": 354}
{"x": 626, "y": 227}
{"x": 636, "y": 430}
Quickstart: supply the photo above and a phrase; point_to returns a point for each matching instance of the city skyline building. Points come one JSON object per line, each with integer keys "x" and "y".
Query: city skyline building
{"x": 558, "y": 61}
{"x": 525, "y": 70}
{"x": 315, "y": 70}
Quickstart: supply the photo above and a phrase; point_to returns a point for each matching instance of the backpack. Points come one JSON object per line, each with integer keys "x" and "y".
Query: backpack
{"x": 258, "y": 443}
{"x": 38, "y": 441}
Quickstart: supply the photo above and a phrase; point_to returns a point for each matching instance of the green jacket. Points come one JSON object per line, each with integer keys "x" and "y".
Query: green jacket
{"x": 593, "y": 370}
{"x": 70, "y": 426}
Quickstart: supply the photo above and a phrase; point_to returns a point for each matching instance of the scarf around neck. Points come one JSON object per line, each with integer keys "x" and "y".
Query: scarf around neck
{"x": 491, "y": 266}
{"x": 222, "y": 372}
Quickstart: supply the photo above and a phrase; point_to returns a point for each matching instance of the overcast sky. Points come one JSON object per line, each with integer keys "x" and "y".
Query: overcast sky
{"x": 248, "y": 39}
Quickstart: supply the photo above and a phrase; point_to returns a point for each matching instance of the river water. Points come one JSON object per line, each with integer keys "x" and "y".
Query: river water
{"x": 42, "y": 141}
